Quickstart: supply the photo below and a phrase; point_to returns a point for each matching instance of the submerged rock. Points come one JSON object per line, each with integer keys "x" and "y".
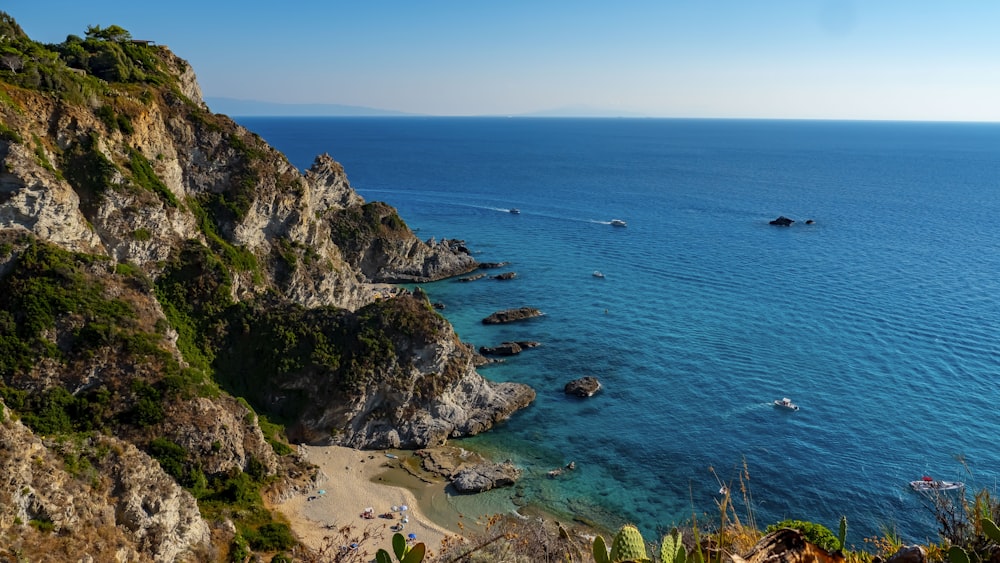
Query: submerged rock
{"x": 504, "y": 349}
{"x": 511, "y": 315}
{"x": 782, "y": 221}
{"x": 583, "y": 387}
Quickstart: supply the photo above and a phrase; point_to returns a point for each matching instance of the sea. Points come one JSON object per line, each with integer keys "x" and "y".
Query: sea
{"x": 880, "y": 319}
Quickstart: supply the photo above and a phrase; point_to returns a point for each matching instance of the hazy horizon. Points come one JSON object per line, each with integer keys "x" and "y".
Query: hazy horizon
{"x": 774, "y": 59}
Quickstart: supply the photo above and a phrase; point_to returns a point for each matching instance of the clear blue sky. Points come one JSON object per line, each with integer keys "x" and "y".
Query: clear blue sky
{"x": 838, "y": 59}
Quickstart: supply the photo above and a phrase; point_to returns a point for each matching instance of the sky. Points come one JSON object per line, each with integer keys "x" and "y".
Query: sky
{"x": 796, "y": 59}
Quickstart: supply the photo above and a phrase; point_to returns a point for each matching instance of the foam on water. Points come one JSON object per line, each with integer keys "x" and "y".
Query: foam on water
{"x": 881, "y": 320}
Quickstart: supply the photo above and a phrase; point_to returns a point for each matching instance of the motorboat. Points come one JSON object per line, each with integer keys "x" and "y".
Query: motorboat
{"x": 515, "y": 211}
{"x": 927, "y": 484}
{"x": 786, "y": 403}
{"x": 598, "y": 274}
{"x": 618, "y": 223}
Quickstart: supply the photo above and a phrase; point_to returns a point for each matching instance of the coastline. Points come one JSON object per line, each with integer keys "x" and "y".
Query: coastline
{"x": 353, "y": 480}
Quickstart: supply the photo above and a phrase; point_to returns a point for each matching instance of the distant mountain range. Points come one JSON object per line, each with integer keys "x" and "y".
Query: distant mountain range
{"x": 246, "y": 108}
{"x": 236, "y": 107}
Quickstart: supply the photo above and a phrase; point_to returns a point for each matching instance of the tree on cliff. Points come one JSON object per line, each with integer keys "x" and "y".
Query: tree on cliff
{"x": 114, "y": 33}
{"x": 13, "y": 62}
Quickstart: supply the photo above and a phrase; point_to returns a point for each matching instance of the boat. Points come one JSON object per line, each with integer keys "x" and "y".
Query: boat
{"x": 618, "y": 223}
{"x": 926, "y": 484}
{"x": 515, "y": 211}
{"x": 786, "y": 403}
{"x": 598, "y": 274}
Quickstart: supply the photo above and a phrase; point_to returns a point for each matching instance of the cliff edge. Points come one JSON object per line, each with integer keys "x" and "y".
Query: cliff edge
{"x": 174, "y": 295}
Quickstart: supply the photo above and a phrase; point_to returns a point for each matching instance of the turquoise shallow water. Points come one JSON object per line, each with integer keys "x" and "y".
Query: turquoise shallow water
{"x": 881, "y": 320}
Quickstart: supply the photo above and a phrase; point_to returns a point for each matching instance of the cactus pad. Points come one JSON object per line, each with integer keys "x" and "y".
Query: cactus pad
{"x": 628, "y": 545}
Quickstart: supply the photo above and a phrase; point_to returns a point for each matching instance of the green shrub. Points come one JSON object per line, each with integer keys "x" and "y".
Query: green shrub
{"x": 43, "y": 525}
{"x": 10, "y": 134}
{"x": 239, "y": 550}
{"x": 144, "y": 175}
{"x": 273, "y": 536}
{"x": 172, "y": 457}
{"x": 815, "y": 533}
{"x": 142, "y": 234}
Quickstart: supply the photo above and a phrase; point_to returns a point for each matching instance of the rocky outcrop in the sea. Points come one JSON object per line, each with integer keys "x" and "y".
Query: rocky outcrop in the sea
{"x": 485, "y": 476}
{"x": 376, "y": 241}
{"x": 583, "y": 387}
{"x": 511, "y": 315}
{"x": 508, "y": 348}
{"x": 782, "y": 221}
{"x": 503, "y": 349}
{"x": 395, "y": 375}
{"x": 505, "y": 276}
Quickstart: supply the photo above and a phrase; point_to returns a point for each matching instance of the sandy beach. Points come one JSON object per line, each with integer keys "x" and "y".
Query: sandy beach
{"x": 353, "y": 480}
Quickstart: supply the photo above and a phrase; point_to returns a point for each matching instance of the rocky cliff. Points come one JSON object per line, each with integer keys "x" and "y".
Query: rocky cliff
{"x": 165, "y": 276}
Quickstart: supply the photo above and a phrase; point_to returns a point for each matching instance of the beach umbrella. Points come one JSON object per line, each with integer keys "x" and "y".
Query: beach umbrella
{"x": 412, "y": 536}
{"x": 322, "y": 491}
{"x": 404, "y": 508}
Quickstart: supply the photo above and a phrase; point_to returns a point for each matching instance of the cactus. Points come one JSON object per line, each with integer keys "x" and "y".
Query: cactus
{"x": 672, "y": 549}
{"x": 404, "y": 553}
{"x": 842, "y": 536}
{"x": 600, "y": 550}
{"x": 991, "y": 530}
{"x": 628, "y": 545}
{"x": 957, "y": 555}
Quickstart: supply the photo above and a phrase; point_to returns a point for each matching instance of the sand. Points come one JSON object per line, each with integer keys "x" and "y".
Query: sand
{"x": 355, "y": 480}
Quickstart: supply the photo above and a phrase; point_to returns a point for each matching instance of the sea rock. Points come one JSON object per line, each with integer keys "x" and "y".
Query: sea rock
{"x": 492, "y": 265}
{"x": 505, "y": 276}
{"x": 583, "y": 387}
{"x": 525, "y": 344}
{"x": 486, "y": 476}
{"x": 447, "y": 461}
{"x": 472, "y": 278}
{"x": 504, "y": 349}
{"x": 426, "y": 391}
{"x": 511, "y": 315}
{"x": 782, "y": 221}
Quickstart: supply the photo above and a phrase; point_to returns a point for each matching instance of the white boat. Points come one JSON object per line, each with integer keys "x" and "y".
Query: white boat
{"x": 930, "y": 484}
{"x": 786, "y": 403}
{"x": 598, "y": 274}
{"x": 618, "y": 223}
{"x": 515, "y": 211}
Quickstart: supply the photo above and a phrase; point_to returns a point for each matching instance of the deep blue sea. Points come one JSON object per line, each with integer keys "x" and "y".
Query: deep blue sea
{"x": 881, "y": 320}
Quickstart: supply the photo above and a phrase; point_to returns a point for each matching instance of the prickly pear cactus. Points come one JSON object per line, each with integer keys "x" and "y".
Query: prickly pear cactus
{"x": 628, "y": 545}
{"x": 957, "y": 555}
{"x": 843, "y": 533}
{"x": 600, "y": 550}
{"x": 991, "y": 530}
{"x": 672, "y": 548}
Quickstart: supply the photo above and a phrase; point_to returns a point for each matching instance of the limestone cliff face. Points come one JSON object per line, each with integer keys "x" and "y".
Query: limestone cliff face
{"x": 423, "y": 394}
{"x": 157, "y": 261}
{"x": 114, "y": 503}
{"x": 180, "y": 173}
